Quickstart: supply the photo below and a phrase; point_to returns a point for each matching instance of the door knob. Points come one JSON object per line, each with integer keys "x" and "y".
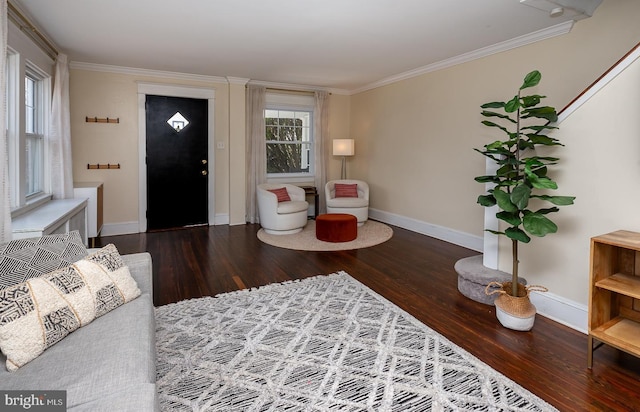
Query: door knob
{"x": 204, "y": 173}
{"x": 204, "y": 161}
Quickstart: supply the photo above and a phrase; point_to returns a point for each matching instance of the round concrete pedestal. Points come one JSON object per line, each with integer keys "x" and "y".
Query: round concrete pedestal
{"x": 473, "y": 278}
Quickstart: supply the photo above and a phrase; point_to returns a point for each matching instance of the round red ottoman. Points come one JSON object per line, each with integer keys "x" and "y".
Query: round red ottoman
{"x": 336, "y": 227}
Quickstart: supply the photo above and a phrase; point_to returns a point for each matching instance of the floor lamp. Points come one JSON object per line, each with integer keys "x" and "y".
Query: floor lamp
{"x": 344, "y": 148}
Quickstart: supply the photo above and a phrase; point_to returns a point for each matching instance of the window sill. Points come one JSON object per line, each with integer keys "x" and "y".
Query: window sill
{"x": 56, "y": 216}
{"x": 297, "y": 180}
{"x": 33, "y": 203}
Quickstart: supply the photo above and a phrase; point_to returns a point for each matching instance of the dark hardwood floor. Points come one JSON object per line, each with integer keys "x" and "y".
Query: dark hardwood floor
{"x": 416, "y": 273}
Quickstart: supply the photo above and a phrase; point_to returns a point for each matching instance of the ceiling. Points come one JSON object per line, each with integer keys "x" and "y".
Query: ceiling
{"x": 333, "y": 44}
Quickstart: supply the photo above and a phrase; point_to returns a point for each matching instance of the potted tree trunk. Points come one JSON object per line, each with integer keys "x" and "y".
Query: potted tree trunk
{"x": 520, "y": 188}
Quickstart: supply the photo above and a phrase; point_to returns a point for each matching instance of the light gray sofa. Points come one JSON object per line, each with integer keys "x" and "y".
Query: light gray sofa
{"x": 107, "y": 365}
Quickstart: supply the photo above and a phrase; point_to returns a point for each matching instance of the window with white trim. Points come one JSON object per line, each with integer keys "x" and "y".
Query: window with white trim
{"x": 34, "y": 134}
{"x": 27, "y": 111}
{"x": 289, "y": 136}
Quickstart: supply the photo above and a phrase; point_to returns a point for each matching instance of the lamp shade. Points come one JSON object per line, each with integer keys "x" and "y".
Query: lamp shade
{"x": 343, "y": 147}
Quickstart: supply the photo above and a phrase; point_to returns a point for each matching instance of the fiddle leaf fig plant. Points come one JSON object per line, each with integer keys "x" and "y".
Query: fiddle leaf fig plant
{"x": 520, "y": 185}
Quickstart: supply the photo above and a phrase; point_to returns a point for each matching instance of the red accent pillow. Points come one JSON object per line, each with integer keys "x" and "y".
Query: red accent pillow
{"x": 282, "y": 194}
{"x": 346, "y": 190}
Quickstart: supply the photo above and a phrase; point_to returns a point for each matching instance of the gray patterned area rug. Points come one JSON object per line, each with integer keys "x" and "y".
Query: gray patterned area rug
{"x": 326, "y": 343}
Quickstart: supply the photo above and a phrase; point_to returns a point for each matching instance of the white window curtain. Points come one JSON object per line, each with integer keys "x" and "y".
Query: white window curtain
{"x": 256, "y": 148}
{"x": 321, "y": 136}
{"x": 60, "y": 133}
{"x": 5, "y": 205}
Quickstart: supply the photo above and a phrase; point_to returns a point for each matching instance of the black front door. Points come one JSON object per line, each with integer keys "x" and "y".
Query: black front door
{"x": 177, "y": 162}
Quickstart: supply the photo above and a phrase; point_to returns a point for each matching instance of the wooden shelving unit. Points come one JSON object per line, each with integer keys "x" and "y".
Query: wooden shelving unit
{"x": 614, "y": 304}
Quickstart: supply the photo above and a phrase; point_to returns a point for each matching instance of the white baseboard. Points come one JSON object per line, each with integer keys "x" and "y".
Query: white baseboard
{"x": 439, "y": 232}
{"x": 122, "y": 228}
{"x": 128, "y": 228}
{"x": 221, "y": 219}
{"x": 561, "y": 310}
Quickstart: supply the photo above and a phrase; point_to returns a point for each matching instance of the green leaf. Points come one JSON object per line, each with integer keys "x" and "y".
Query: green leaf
{"x": 493, "y": 105}
{"x": 530, "y": 101}
{"x": 512, "y": 105}
{"x": 512, "y": 218}
{"x": 524, "y": 144}
{"x": 503, "y": 200}
{"x": 531, "y": 79}
{"x": 540, "y": 171}
{"x": 492, "y": 124}
{"x": 547, "y": 211}
{"x": 542, "y": 159}
{"x": 494, "y": 155}
{"x": 499, "y": 126}
{"x": 486, "y": 179}
{"x": 539, "y": 128}
{"x": 557, "y": 200}
{"x": 520, "y": 196}
{"x": 503, "y": 153}
{"x": 506, "y": 172}
{"x": 543, "y": 183}
{"x": 538, "y": 225}
{"x": 539, "y": 182}
{"x": 498, "y": 151}
{"x": 517, "y": 234}
{"x": 495, "y": 232}
{"x": 486, "y": 113}
{"x": 486, "y": 200}
{"x": 545, "y": 112}
{"x": 544, "y": 140}
{"x": 495, "y": 145}
{"x": 508, "y": 183}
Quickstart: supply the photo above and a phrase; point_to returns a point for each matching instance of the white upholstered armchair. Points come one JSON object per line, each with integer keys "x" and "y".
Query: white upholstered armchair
{"x": 347, "y": 200}
{"x": 285, "y": 216}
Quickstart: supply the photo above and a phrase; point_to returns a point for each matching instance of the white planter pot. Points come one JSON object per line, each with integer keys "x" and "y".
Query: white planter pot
{"x": 514, "y": 322}
{"x": 517, "y": 313}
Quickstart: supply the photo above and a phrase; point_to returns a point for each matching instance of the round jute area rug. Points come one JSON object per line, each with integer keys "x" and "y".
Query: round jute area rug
{"x": 370, "y": 234}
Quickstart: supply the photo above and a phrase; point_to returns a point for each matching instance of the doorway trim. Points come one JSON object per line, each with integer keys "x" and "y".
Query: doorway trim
{"x": 172, "y": 91}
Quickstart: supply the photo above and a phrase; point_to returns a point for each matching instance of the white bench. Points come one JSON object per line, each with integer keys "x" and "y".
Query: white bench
{"x": 55, "y": 216}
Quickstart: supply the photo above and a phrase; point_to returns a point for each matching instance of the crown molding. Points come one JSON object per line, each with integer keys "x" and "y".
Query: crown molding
{"x": 145, "y": 72}
{"x": 196, "y": 77}
{"x": 237, "y": 80}
{"x": 557, "y": 30}
{"x": 298, "y": 87}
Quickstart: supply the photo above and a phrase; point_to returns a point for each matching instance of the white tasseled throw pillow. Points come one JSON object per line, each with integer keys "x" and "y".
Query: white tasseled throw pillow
{"x": 40, "y": 312}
